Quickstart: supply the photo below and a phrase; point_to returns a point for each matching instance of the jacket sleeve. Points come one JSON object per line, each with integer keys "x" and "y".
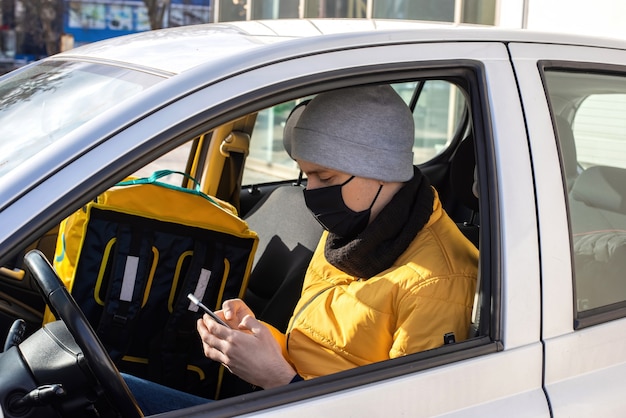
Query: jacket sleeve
{"x": 424, "y": 316}
{"x": 280, "y": 338}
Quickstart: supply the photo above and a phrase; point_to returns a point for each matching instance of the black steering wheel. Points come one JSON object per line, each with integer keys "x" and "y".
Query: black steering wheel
{"x": 65, "y": 307}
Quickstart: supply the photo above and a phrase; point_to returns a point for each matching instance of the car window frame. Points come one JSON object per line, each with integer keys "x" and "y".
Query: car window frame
{"x": 461, "y": 70}
{"x": 489, "y": 341}
{"x": 607, "y": 313}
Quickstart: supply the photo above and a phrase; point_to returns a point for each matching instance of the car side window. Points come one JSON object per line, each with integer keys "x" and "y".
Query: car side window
{"x": 175, "y": 160}
{"x": 438, "y": 106}
{"x": 589, "y": 116}
{"x": 267, "y": 160}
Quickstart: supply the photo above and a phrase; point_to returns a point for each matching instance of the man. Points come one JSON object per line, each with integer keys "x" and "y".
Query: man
{"x": 392, "y": 273}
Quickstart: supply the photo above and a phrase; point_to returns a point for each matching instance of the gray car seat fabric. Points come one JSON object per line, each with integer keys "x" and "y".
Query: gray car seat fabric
{"x": 288, "y": 235}
{"x": 598, "y": 216}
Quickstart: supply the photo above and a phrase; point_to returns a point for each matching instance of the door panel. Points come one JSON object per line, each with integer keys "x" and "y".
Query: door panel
{"x": 585, "y": 348}
{"x": 515, "y": 373}
{"x": 488, "y": 386}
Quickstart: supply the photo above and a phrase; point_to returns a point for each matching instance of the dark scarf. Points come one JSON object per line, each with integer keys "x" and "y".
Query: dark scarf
{"x": 388, "y": 235}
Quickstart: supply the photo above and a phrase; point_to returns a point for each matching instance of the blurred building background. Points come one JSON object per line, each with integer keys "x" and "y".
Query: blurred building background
{"x": 32, "y": 29}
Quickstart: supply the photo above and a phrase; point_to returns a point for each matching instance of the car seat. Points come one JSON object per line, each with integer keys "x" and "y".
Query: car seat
{"x": 597, "y": 204}
{"x": 288, "y": 235}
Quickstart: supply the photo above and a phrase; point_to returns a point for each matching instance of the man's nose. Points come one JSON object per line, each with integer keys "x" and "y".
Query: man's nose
{"x": 312, "y": 184}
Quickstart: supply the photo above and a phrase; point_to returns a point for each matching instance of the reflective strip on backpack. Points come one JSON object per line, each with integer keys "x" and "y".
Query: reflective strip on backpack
{"x": 203, "y": 282}
{"x": 130, "y": 277}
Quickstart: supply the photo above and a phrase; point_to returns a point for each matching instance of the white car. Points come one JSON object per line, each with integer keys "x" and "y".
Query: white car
{"x": 535, "y": 124}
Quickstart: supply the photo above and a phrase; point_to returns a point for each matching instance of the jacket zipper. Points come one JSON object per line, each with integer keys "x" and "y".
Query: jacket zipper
{"x": 295, "y": 317}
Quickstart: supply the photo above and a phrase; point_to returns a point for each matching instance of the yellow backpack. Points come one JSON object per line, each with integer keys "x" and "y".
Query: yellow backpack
{"x": 130, "y": 258}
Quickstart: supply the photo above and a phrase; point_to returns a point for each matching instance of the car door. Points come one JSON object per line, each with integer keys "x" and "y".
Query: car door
{"x": 578, "y": 120}
{"x": 499, "y": 372}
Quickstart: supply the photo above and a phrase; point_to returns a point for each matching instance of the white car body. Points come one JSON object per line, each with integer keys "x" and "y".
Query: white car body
{"x": 534, "y": 362}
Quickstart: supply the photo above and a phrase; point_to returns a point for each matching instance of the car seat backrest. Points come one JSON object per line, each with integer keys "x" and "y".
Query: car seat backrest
{"x": 602, "y": 187}
{"x": 288, "y": 235}
{"x": 598, "y": 215}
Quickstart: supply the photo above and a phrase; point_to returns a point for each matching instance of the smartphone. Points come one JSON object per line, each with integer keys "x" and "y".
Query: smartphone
{"x": 195, "y": 301}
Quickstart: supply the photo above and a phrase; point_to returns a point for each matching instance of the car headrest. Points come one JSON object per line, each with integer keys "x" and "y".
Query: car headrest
{"x": 462, "y": 173}
{"x": 602, "y": 187}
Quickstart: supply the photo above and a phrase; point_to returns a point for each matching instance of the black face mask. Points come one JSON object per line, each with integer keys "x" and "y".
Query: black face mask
{"x": 328, "y": 207}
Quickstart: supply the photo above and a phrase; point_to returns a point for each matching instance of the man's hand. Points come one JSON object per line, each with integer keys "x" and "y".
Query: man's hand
{"x": 248, "y": 350}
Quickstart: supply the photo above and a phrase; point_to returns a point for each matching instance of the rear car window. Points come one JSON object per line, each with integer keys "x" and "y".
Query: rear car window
{"x": 589, "y": 111}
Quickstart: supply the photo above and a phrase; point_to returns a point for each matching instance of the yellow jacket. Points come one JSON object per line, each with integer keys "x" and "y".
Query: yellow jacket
{"x": 341, "y": 321}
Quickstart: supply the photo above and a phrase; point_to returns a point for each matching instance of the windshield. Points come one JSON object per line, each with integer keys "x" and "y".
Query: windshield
{"x": 42, "y": 103}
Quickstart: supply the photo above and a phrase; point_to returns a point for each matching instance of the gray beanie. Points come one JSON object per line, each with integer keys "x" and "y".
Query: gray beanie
{"x": 365, "y": 131}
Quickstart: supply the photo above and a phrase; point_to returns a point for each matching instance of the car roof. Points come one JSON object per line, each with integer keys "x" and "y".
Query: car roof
{"x": 175, "y": 50}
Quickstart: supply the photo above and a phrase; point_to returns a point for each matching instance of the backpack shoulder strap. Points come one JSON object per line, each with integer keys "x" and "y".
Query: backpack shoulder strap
{"x": 128, "y": 284}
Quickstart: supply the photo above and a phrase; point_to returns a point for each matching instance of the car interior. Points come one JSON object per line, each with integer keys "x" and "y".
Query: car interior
{"x": 273, "y": 206}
